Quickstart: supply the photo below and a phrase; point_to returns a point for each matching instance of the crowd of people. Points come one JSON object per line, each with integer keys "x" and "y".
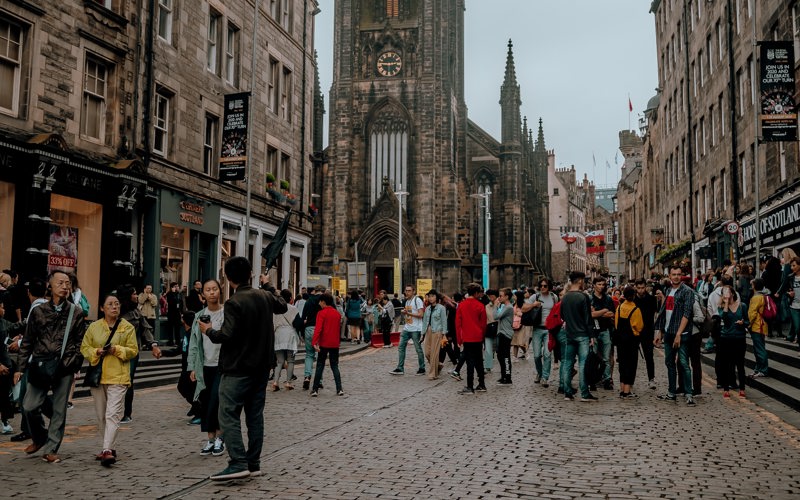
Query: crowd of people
{"x": 233, "y": 353}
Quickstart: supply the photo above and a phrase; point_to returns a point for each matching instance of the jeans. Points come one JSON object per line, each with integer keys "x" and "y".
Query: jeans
{"x": 604, "y": 350}
{"x": 760, "y": 352}
{"x": 504, "y": 356}
{"x": 695, "y": 360}
{"x": 682, "y": 355}
{"x": 248, "y": 393}
{"x": 324, "y": 354}
{"x": 311, "y": 354}
{"x": 473, "y": 352}
{"x": 134, "y": 362}
{"x": 415, "y": 337}
{"x": 35, "y": 397}
{"x": 579, "y": 346}
{"x": 795, "y": 328}
{"x": 541, "y": 355}
{"x": 490, "y": 345}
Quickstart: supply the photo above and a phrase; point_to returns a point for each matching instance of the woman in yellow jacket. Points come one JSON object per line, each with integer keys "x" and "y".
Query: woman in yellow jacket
{"x": 758, "y": 327}
{"x": 629, "y": 324}
{"x": 115, "y": 354}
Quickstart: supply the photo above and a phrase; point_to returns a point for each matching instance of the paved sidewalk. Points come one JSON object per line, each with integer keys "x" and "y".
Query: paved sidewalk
{"x": 408, "y": 437}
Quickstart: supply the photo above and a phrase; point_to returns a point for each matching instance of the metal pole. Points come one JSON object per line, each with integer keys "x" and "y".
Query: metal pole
{"x": 400, "y": 194}
{"x": 488, "y": 220}
{"x": 250, "y": 155}
{"x": 754, "y": 95}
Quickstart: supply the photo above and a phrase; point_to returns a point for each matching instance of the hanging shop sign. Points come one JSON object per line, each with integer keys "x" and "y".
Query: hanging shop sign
{"x": 778, "y": 109}
{"x": 776, "y": 225}
{"x": 233, "y": 160}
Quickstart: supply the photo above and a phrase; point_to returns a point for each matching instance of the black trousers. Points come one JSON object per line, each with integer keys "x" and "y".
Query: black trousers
{"x": 386, "y": 330}
{"x": 730, "y": 354}
{"x": 332, "y": 354}
{"x": 628, "y": 360}
{"x": 504, "y": 357}
{"x": 646, "y": 341}
{"x": 449, "y": 350}
{"x": 473, "y": 355}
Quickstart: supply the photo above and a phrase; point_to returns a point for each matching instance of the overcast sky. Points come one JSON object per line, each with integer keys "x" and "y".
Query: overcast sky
{"x": 576, "y": 60}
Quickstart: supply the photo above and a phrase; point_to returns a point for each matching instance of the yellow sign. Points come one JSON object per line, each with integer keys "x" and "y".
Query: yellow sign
{"x": 397, "y": 277}
{"x": 424, "y": 286}
{"x": 342, "y": 287}
{"x": 334, "y": 284}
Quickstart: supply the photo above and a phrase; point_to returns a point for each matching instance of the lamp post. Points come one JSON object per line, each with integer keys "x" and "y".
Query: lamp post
{"x": 486, "y": 196}
{"x": 400, "y": 193}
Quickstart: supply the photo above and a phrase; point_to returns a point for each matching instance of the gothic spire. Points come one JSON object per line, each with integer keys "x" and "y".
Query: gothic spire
{"x": 511, "y": 73}
{"x": 540, "y": 139}
{"x": 510, "y": 102}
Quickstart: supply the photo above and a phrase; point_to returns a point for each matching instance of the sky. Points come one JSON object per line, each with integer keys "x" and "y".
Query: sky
{"x": 577, "y": 63}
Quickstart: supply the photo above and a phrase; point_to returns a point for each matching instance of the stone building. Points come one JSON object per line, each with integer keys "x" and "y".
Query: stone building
{"x": 571, "y": 216}
{"x": 398, "y": 122}
{"x": 110, "y": 134}
{"x": 698, "y": 169}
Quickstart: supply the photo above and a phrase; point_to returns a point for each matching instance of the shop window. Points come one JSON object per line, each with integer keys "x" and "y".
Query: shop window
{"x": 6, "y": 223}
{"x": 75, "y": 242}
{"x": 210, "y": 150}
{"x": 175, "y": 257}
{"x": 165, "y": 20}
{"x": 95, "y": 92}
{"x": 12, "y": 62}
{"x": 213, "y": 42}
{"x": 232, "y": 55}
{"x": 161, "y": 124}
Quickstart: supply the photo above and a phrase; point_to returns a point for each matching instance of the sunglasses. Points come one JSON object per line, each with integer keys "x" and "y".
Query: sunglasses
{"x": 544, "y": 285}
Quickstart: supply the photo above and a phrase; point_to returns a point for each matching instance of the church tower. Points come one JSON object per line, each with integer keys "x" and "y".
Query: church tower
{"x": 397, "y": 123}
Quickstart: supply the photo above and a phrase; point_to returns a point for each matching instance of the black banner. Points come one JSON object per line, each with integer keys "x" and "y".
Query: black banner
{"x": 778, "y": 110}
{"x": 233, "y": 158}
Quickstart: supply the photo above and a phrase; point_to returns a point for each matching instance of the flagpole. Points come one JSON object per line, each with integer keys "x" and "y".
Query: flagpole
{"x": 630, "y": 110}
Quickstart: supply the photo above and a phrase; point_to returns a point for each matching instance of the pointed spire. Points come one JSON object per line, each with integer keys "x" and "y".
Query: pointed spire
{"x": 540, "y": 139}
{"x": 511, "y": 73}
{"x": 524, "y": 127}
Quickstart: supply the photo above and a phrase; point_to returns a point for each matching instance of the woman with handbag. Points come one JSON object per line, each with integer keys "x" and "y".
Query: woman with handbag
{"x": 108, "y": 346}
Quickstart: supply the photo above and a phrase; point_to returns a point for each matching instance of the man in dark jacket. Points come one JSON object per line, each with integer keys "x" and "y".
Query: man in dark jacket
{"x": 245, "y": 359}
{"x": 47, "y": 325}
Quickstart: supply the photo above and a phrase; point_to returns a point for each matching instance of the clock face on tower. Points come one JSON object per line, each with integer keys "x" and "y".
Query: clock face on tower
{"x": 389, "y": 63}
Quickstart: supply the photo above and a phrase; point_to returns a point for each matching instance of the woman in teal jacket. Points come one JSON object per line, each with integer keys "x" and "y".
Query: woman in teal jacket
{"x": 434, "y": 328}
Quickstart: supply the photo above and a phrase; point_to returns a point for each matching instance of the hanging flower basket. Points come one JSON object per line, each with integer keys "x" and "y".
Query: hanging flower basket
{"x": 291, "y": 199}
{"x": 276, "y": 195}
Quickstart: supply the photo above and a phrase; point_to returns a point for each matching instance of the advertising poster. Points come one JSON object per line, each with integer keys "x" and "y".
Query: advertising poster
{"x": 233, "y": 157}
{"x": 63, "y": 249}
{"x": 778, "y": 109}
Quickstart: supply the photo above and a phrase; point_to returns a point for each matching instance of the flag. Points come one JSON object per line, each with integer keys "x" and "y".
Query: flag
{"x": 596, "y": 241}
{"x": 272, "y": 251}
{"x": 616, "y": 158}
{"x": 630, "y": 105}
{"x": 608, "y": 165}
{"x": 594, "y": 160}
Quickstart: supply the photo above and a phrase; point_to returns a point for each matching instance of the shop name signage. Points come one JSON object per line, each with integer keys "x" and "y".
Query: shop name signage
{"x": 774, "y": 225}
{"x": 192, "y": 213}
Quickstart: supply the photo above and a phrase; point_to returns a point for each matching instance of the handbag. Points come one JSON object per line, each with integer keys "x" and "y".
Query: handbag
{"x": 43, "y": 369}
{"x": 95, "y": 372}
{"x": 491, "y": 329}
{"x": 532, "y": 317}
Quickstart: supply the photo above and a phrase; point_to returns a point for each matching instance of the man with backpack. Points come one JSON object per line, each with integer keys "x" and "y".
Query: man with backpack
{"x": 545, "y": 300}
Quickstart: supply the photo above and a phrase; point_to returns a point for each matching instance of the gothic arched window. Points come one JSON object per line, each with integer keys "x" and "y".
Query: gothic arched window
{"x": 392, "y": 8}
{"x": 484, "y": 196}
{"x": 388, "y": 151}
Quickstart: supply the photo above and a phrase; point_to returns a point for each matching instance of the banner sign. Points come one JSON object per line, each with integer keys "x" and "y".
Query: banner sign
{"x": 778, "y": 110}
{"x": 233, "y": 158}
{"x": 595, "y": 242}
{"x": 485, "y": 270}
{"x": 777, "y": 225}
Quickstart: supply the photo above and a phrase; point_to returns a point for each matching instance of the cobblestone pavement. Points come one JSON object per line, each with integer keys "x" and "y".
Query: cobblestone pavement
{"x": 408, "y": 437}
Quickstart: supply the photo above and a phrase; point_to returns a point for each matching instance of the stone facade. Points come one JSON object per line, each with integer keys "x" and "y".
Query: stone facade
{"x": 398, "y": 120}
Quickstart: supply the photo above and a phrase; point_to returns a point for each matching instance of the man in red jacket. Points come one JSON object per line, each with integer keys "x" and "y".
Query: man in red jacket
{"x": 470, "y": 331}
{"x": 326, "y": 342}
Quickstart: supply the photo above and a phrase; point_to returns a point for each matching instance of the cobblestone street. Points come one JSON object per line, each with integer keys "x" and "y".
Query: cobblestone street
{"x": 407, "y": 437}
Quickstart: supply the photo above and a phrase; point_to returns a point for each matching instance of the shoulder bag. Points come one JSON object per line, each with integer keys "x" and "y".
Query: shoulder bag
{"x": 95, "y": 372}
{"x": 43, "y": 369}
{"x": 532, "y": 317}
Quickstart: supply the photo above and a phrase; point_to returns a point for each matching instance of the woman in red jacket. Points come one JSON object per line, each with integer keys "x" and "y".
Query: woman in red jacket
{"x": 326, "y": 342}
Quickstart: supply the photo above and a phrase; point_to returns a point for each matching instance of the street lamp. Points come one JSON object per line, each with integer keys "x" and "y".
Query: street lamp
{"x": 400, "y": 193}
{"x": 486, "y": 196}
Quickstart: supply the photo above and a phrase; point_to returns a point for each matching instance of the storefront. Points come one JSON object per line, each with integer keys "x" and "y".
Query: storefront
{"x": 779, "y": 225}
{"x": 290, "y": 271}
{"x": 59, "y": 211}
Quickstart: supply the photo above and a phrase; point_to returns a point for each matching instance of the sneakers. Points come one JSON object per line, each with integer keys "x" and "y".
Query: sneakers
{"x": 99, "y": 456}
{"x": 70, "y": 405}
{"x": 230, "y": 473}
{"x": 7, "y": 429}
{"x": 480, "y": 388}
{"x": 208, "y": 448}
{"x": 653, "y": 383}
{"x": 608, "y": 385}
{"x": 421, "y": 371}
{"x": 314, "y": 393}
{"x": 106, "y": 460}
{"x": 454, "y": 374}
{"x": 537, "y": 379}
{"x": 255, "y": 470}
{"x": 22, "y": 436}
{"x": 219, "y": 447}
{"x": 726, "y": 394}
{"x": 569, "y": 397}
{"x": 467, "y": 390}
{"x": 195, "y": 421}
{"x": 667, "y": 397}
{"x": 690, "y": 401}
{"x": 757, "y": 375}
{"x": 504, "y": 382}
{"x": 306, "y": 383}
{"x": 545, "y": 384}
{"x": 396, "y": 371}
{"x": 741, "y": 393}
{"x": 126, "y": 420}
{"x": 627, "y": 395}
{"x": 340, "y": 392}
{"x": 588, "y": 398}
{"x": 52, "y": 458}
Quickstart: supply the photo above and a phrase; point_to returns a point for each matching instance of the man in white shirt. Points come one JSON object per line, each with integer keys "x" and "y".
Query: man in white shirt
{"x": 412, "y": 329}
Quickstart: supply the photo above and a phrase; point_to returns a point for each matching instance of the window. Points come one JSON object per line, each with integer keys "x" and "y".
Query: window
{"x": 705, "y": 204}
{"x": 721, "y": 107}
{"x": 724, "y": 190}
{"x": 741, "y": 88}
{"x": 392, "y": 8}
{"x": 272, "y": 162}
{"x": 161, "y": 122}
{"x": 286, "y": 95}
{"x": 285, "y": 168}
{"x": 232, "y": 55}
{"x": 702, "y": 68}
{"x": 743, "y": 166}
{"x": 555, "y": 191}
{"x": 108, "y": 4}
{"x": 93, "y": 112}
{"x": 738, "y": 11}
{"x": 703, "y": 135}
{"x": 272, "y": 85}
{"x": 388, "y": 150}
{"x": 210, "y": 154}
{"x": 286, "y": 15}
{"x": 11, "y": 49}
{"x": 796, "y": 30}
{"x": 751, "y": 78}
{"x": 212, "y": 42}
{"x": 165, "y": 20}
{"x": 720, "y": 41}
{"x": 709, "y": 52}
{"x": 714, "y": 205}
{"x": 273, "y": 9}
{"x": 713, "y": 117}
{"x": 782, "y": 159}
{"x": 694, "y": 79}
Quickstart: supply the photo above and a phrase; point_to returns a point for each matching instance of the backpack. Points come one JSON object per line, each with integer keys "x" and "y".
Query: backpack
{"x": 623, "y": 329}
{"x": 593, "y": 369}
{"x": 554, "y": 322}
{"x": 770, "y": 308}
